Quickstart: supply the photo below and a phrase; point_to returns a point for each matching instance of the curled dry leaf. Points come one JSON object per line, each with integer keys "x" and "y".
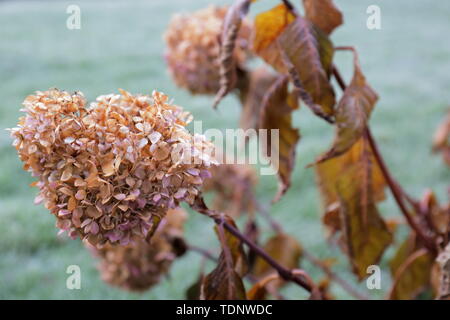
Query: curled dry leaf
{"x": 282, "y": 138}
{"x": 352, "y": 113}
{"x": 227, "y": 60}
{"x": 94, "y": 173}
{"x": 323, "y": 13}
{"x": 193, "y": 50}
{"x": 351, "y": 185}
{"x": 308, "y": 49}
{"x": 138, "y": 266}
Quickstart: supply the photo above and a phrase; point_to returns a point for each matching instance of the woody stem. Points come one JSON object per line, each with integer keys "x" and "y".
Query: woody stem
{"x": 284, "y": 273}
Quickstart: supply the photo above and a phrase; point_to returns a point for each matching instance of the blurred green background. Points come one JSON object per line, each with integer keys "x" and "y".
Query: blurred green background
{"x": 120, "y": 46}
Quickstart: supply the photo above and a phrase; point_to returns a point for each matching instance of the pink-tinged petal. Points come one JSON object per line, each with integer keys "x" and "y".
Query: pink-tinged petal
{"x": 94, "y": 227}
{"x": 120, "y": 196}
{"x": 205, "y": 174}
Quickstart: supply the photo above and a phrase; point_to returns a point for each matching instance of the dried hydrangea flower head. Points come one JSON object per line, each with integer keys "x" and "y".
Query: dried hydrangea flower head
{"x": 111, "y": 171}
{"x": 140, "y": 265}
{"x": 193, "y": 49}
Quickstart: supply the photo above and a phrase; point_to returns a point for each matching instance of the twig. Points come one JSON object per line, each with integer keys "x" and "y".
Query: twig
{"x": 285, "y": 274}
{"x": 203, "y": 252}
{"x": 326, "y": 269}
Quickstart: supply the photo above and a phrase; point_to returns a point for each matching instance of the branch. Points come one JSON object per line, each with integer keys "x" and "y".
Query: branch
{"x": 327, "y": 270}
{"x": 397, "y": 191}
{"x": 205, "y": 253}
{"x": 285, "y": 274}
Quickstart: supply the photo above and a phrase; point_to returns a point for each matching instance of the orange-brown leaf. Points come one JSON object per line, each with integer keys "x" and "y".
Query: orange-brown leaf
{"x": 269, "y": 25}
{"x": 323, "y": 13}
{"x": 276, "y": 114}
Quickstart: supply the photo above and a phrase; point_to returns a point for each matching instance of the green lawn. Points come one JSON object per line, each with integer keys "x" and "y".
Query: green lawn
{"x": 120, "y": 46}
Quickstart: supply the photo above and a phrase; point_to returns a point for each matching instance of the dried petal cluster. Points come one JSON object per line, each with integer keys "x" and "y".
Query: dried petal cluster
{"x": 138, "y": 266}
{"x": 111, "y": 171}
{"x": 234, "y": 188}
{"x": 193, "y": 49}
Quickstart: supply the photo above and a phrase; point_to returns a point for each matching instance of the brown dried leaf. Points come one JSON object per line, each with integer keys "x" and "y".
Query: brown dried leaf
{"x": 354, "y": 183}
{"x": 224, "y": 282}
{"x": 330, "y": 172}
{"x": 308, "y": 49}
{"x": 352, "y": 113}
{"x": 364, "y": 232}
{"x": 323, "y": 13}
{"x": 234, "y": 246}
{"x": 276, "y": 113}
{"x": 413, "y": 276}
{"x": 231, "y": 26}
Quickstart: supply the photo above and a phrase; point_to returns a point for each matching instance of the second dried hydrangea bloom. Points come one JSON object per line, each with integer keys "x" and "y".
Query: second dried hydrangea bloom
{"x": 138, "y": 266}
{"x": 110, "y": 172}
{"x": 193, "y": 49}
